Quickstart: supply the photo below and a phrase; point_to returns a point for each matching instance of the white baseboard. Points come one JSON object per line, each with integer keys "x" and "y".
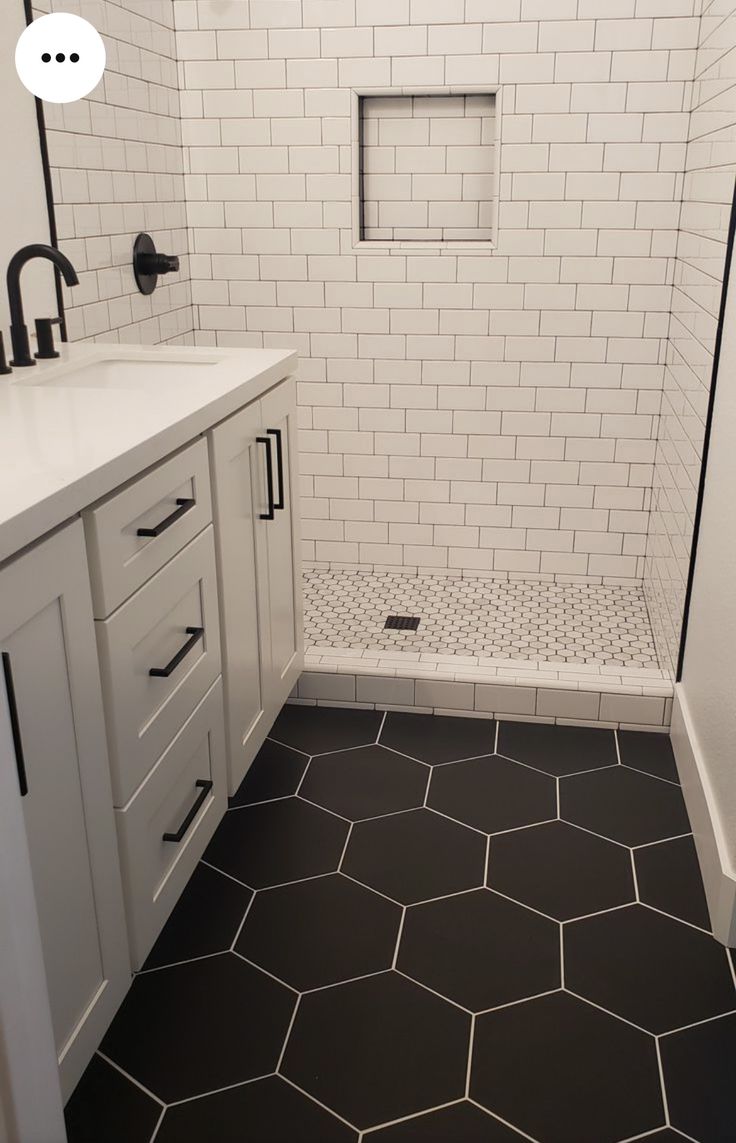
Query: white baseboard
{"x": 719, "y": 875}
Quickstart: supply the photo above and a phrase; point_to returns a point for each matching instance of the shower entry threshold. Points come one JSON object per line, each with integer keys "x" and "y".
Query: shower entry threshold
{"x": 536, "y": 651}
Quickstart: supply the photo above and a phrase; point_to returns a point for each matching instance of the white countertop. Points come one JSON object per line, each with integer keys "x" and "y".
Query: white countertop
{"x": 63, "y": 446}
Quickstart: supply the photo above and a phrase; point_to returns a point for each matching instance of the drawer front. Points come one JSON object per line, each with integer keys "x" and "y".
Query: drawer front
{"x": 171, "y": 626}
{"x": 175, "y": 800}
{"x": 171, "y": 504}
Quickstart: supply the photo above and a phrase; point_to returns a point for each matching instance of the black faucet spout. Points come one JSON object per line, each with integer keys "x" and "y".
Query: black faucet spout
{"x": 18, "y": 331}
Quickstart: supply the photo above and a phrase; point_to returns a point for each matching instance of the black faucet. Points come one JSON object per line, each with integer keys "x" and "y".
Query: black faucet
{"x": 18, "y": 331}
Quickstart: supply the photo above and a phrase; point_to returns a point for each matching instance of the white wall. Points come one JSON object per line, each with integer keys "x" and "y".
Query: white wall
{"x": 698, "y": 280}
{"x": 493, "y": 413}
{"x": 23, "y": 214}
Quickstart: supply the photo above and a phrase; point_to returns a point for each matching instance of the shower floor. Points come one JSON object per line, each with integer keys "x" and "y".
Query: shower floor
{"x": 525, "y": 649}
{"x": 559, "y": 623}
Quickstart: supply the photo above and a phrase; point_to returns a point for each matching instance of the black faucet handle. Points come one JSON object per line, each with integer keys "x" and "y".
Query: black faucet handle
{"x": 4, "y": 367}
{"x": 45, "y": 338}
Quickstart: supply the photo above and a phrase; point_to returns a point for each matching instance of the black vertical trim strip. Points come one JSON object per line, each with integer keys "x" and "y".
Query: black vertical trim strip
{"x": 48, "y": 188}
{"x": 20, "y": 761}
{"x": 707, "y": 436}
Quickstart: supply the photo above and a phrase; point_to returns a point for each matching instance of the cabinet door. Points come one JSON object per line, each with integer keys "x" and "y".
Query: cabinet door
{"x": 281, "y": 538}
{"x": 238, "y": 477}
{"x": 50, "y": 661}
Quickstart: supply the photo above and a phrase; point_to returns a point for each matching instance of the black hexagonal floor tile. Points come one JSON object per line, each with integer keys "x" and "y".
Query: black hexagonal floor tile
{"x": 365, "y": 783}
{"x": 556, "y": 749}
{"x": 276, "y": 772}
{"x": 650, "y": 752}
{"x": 669, "y": 879}
{"x": 267, "y": 1111}
{"x": 699, "y": 1068}
{"x": 320, "y": 932}
{"x": 492, "y": 794}
{"x": 435, "y": 738}
{"x": 204, "y": 920}
{"x": 654, "y": 971}
{"x": 561, "y": 870}
{"x": 414, "y": 856}
{"x": 200, "y": 1026}
{"x": 624, "y": 805}
{"x": 317, "y": 729}
{"x": 378, "y": 1049}
{"x": 106, "y": 1105}
{"x": 461, "y": 1123}
{"x": 480, "y": 950}
{"x": 565, "y": 1072}
{"x": 275, "y": 842}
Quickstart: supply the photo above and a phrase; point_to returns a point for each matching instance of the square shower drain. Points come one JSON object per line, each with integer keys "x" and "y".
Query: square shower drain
{"x": 401, "y": 623}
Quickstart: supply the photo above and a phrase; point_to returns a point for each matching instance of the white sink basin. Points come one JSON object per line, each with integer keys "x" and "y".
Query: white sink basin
{"x": 127, "y": 373}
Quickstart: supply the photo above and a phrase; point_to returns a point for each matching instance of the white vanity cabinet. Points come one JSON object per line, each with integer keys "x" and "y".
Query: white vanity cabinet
{"x": 50, "y": 670}
{"x": 254, "y": 478}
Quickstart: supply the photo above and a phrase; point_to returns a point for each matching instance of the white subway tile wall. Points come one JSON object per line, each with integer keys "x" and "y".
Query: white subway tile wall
{"x": 117, "y": 169}
{"x": 475, "y": 412}
{"x": 706, "y": 209}
{"x": 427, "y": 167}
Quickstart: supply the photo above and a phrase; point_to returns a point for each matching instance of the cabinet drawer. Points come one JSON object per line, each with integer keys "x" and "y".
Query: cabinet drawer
{"x": 172, "y": 501}
{"x": 171, "y": 625}
{"x": 175, "y": 800}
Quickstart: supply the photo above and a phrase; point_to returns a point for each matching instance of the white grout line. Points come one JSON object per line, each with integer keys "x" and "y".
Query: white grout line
{"x": 416, "y": 1115}
{"x": 615, "y": 1015}
{"x": 662, "y": 841}
{"x": 236, "y": 938}
{"x": 132, "y": 1079}
{"x": 487, "y": 866}
{"x": 372, "y": 888}
{"x": 224, "y": 874}
{"x": 278, "y": 885}
{"x": 219, "y": 1090}
{"x": 325, "y": 809}
{"x": 263, "y": 802}
{"x": 634, "y": 876}
{"x": 679, "y": 920}
{"x": 602, "y": 837}
{"x": 439, "y": 995}
{"x": 449, "y": 818}
{"x": 282, "y": 1053}
{"x": 495, "y": 740}
{"x": 696, "y": 1024}
{"x": 598, "y": 913}
{"x": 307, "y": 768}
{"x": 469, "y": 1068}
{"x": 647, "y": 774}
{"x": 618, "y": 746}
{"x": 523, "y": 905}
{"x": 660, "y": 1069}
{"x": 265, "y": 971}
{"x": 348, "y": 980}
{"x": 380, "y": 729}
{"x": 506, "y": 1122}
{"x": 562, "y": 956}
{"x": 159, "y": 1121}
{"x": 345, "y": 847}
{"x": 177, "y": 963}
{"x": 515, "y": 1003}
{"x": 330, "y": 1110}
{"x": 399, "y": 935}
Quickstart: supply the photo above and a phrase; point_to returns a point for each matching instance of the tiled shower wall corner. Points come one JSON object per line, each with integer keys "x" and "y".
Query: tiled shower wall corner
{"x": 469, "y": 412}
{"x": 117, "y": 169}
{"x": 706, "y": 209}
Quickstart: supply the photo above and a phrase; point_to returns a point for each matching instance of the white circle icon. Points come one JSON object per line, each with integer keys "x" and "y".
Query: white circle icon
{"x": 60, "y": 58}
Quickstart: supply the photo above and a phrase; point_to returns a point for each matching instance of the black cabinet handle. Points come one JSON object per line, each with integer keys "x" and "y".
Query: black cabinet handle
{"x": 20, "y": 761}
{"x": 269, "y": 478}
{"x": 203, "y": 784}
{"x": 279, "y": 466}
{"x": 184, "y": 507}
{"x": 195, "y": 634}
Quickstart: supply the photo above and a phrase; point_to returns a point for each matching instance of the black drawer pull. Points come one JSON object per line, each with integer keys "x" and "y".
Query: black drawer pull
{"x": 195, "y": 634}
{"x": 203, "y": 784}
{"x": 279, "y": 466}
{"x": 184, "y": 507}
{"x": 20, "y": 761}
{"x": 269, "y": 478}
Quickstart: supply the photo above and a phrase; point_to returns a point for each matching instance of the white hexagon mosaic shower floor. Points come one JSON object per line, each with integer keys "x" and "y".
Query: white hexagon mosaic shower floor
{"x": 557, "y": 623}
